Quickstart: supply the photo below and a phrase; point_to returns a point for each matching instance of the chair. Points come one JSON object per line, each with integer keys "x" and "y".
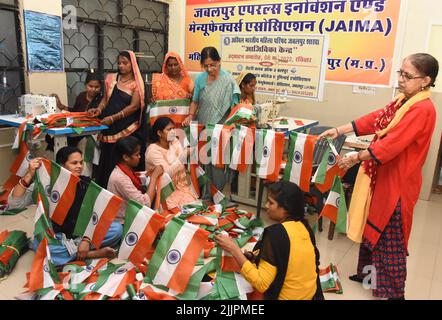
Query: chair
{"x": 318, "y": 153}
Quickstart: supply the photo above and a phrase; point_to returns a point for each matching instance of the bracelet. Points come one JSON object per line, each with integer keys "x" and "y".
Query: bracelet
{"x": 122, "y": 114}
{"x": 359, "y": 156}
{"x": 337, "y": 131}
{"x": 86, "y": 239}
{"x": 23, "y": 183}
{"x": 112, "y": 119}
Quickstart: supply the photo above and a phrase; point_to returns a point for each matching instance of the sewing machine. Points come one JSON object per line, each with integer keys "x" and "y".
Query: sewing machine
{"x": 268, "y": 111}
{"x": 34, "y": 105}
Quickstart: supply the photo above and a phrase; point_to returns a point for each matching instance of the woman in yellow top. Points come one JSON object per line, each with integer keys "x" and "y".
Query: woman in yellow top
{"x": 287, "y": 266}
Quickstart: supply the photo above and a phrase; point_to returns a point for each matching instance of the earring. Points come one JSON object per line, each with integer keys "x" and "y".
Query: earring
{"x": 423, "y": 88}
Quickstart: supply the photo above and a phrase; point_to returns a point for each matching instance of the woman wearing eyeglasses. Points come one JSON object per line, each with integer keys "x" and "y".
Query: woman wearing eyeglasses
{"x": 216, "y": 91}
{"x": 389, "y": 179}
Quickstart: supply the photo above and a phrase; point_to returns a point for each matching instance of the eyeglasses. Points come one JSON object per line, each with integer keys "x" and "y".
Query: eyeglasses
{"x": 212, "y": 66}
{"x": 407, "y": 76}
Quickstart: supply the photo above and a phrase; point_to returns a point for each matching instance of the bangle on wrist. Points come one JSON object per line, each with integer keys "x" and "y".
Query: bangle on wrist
{"x": 122, "y": 114}
{"x": 112, "y": 119}
{"x": 359, "y": 156}
{"x": 23, "y": 183}
{"x": 337, "y": 131}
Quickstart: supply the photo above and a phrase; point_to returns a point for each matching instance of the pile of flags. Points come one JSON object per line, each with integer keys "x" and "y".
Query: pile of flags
{"x": 160, "y": 258}
{"x": 12, "y": 245}
{"x": 330, "y": 281}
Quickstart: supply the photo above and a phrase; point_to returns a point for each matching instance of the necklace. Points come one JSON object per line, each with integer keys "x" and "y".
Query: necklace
{"x": 124, "y": 81}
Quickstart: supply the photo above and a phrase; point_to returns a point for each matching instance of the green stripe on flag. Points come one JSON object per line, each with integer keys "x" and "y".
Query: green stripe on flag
{"x": 132, "y": 210}
{"x": 172, "y": 103}
{"x": 171, "y": 231}
{"x": 288, "y": 167}
{"x": 86, "y": 209}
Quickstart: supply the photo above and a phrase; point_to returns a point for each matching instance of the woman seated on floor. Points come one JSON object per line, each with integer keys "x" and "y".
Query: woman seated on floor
{"x": 287, "y": 265}
{"x": 166, "y": 151}
{"x": 124, "y": 182}
{"x": 71, "y": 159}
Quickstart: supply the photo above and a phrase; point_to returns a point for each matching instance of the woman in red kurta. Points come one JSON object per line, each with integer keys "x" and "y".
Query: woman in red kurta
{"x": 390, "y": 177}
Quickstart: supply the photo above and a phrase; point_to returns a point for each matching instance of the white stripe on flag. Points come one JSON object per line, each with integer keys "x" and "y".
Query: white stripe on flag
{"x": 295, "y": 175}
{"x": 161, "y": 111}
{"x": 138, "y": 226}
{"x": 48, "y": 282}
{"x": 269, "y": 143}
{"x": 114, "y": 280}
{"x": 332, "y": 199}
{"x": 180, "y": 243}
{"x": 236, "y": 155}
{"x": 215, "y": 143}
{"x": 59, "y": 186}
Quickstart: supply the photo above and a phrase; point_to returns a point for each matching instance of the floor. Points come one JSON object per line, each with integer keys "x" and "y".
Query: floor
{"x": 424, "y": 279}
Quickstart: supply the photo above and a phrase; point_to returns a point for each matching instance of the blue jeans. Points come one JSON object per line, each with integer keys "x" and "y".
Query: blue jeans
{"x": 60, "y": 254}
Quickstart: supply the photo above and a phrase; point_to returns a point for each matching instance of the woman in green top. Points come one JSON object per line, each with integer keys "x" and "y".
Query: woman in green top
{"x": 216, "y": 91}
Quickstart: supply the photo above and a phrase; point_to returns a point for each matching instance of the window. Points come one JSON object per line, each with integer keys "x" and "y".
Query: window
{"x": 104, "y": 28}
{"x": 11, "y": 58}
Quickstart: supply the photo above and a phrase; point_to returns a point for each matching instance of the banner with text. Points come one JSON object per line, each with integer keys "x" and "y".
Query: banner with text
{"x": 362, "y": 32}
{"x": 293, "y": 66}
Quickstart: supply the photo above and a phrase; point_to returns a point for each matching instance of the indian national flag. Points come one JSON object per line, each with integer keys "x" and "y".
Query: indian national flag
{"x": 204, "y": 219}
{"x": 41, "y": 222}
{"x": 141, "y": 226}
{"x": 92, "y": 150}
{"x": 328, "y": 169}
{"x": 154, "y": 293}
{"x": 21, "y": 163}
{"x": 335, "y": 207}
{"x": 8, "y": 186}
{"x": 242, "y": 151}
{"x": 87, "y": 271}
{"x": 177, "y": 110}
{"x": 61, "y": 190}
{"x": 97, "y": 213}
{"x": 240, "y": 112}
{"x": 112, "y": 282}
{"x": 228, "y": 263}
{"x": 232, "y": 285}
{"x": 219, "y": 144}
{"x": 165, "y": 188}
{"x": 269, "y": 147}
{"x": 329, "y": 279}
{"x": 195, "y": 140}
{"x": 218, "y": 196}
{"x": 300, "y": 160}
{"x": 43, "y": 274}
{"x": 198, "y": 178}
{"x": 176, "y": 255}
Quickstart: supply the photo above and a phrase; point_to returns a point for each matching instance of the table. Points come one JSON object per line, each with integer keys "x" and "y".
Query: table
{"x": 244, "y": 179}
{"x": 60, "y": 134}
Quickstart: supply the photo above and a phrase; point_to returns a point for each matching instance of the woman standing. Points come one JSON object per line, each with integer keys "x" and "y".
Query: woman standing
{"x": 166, "y": 151}
{"x": 122, "y": 110}
{"x": 287, "y": 266}
{"x": 174, "y": 82}
{"x": 215, "y": 93}
{"x": 390, "y": 176}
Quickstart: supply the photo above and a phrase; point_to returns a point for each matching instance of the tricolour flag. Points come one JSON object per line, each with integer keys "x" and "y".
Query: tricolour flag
{"x": 8, "y": 186}
{"x": 141, "y": 226}
{"x": 204, "y": 219}
{"x": 165, "y": 188}
{"x": 195, "y": 139}
{"x": 219, "y": 144}
{"x": 328, "y": 169}
{"x": 329, "y": 279}
{"x": 112, "y": 282}
{"x": 43, "y": 274}
{"x": 218, "y": 196}
{"x": 41, "y": 222}
{"x": 240, "y": 112}
{"x": 269, "y": 147}
{"x": 231, "y": 285}
{"x": 300, "y": 160}
{"x": 21, "y": 163}
{"x": 61, "y": 190}
{"x": 335, "y": 207}
{"x": 98, "y": 211}
{"x": 177, "y": 110}
{"x": 198, "y": 178}
{"x": 85, "y": 272}
{"x": 92, "y": 150}
{"x": 176, "y": 255}
{"x": 242, "y": 150}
